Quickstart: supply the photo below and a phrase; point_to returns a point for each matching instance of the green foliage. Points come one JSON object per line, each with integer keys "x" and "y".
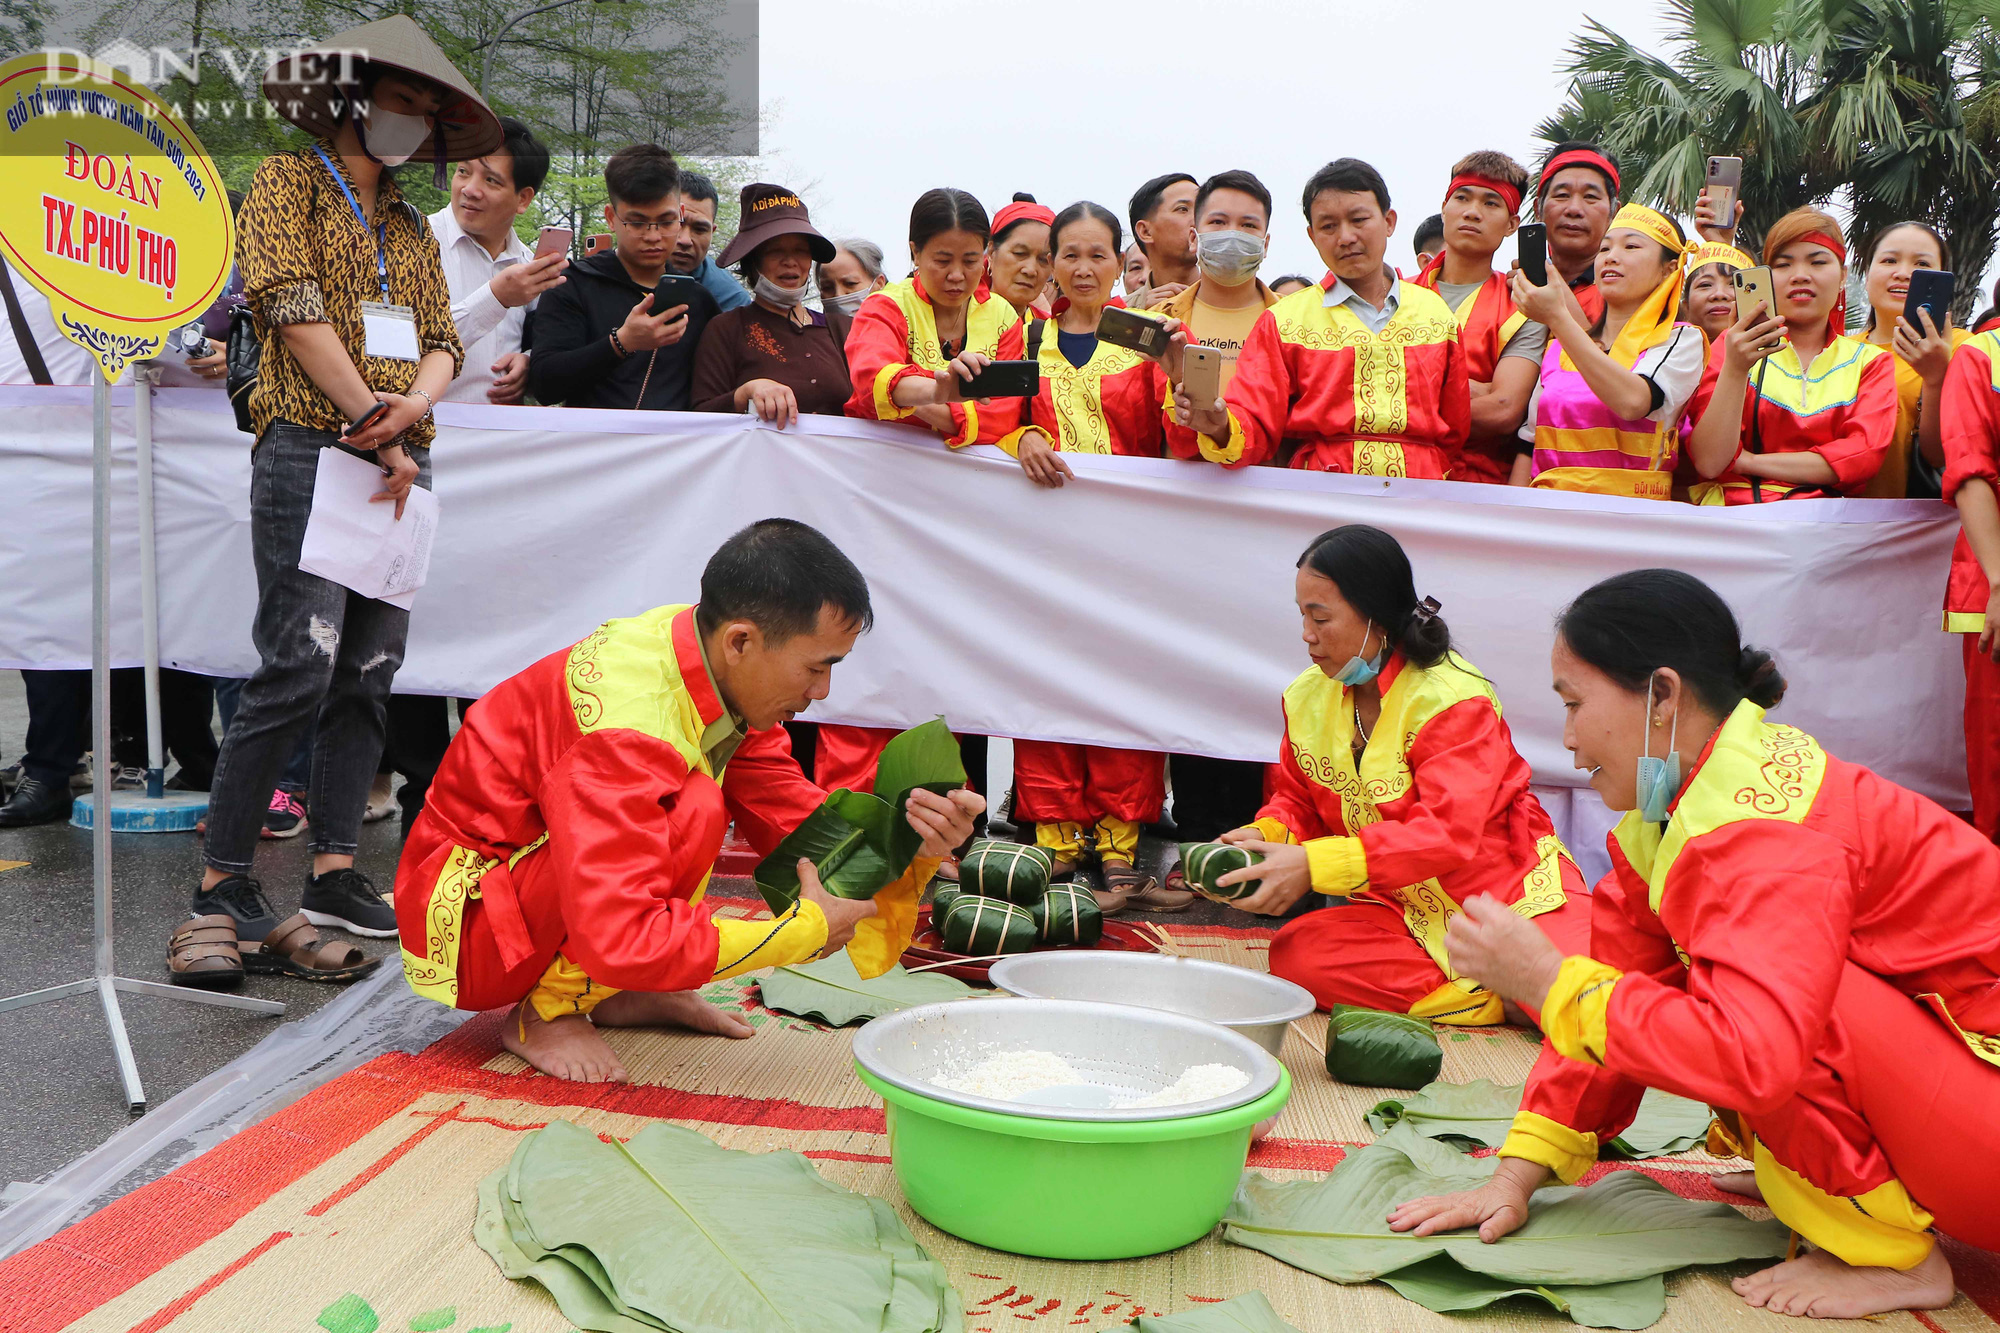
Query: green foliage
{"x": 832, "y": 992}
{"x": 1248, "y": 1313}
{"x": 1480, "y": 1113}
{"x": 1889, "y": 109}
{"x": 978, "y": 926}
{"x": 1206, "y": 862}
{"x": 1375, "y": 1049}
{"x": 1013, "y": 871}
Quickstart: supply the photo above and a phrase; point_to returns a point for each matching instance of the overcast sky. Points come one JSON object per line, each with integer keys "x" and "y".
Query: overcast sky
{"x": 871, "y": 102}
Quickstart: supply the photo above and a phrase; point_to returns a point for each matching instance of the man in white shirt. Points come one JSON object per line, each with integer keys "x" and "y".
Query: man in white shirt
{"x": 494, "y": 279}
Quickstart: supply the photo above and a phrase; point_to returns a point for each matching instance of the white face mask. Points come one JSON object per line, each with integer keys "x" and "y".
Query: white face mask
{"x": 1230, "y": 257}
{"x": 848, "y": 302}
{"x": 390, "y": 137}
{"x": 783, "y": 297}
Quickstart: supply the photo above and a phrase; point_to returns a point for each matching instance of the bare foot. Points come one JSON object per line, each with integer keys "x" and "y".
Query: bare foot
{"x": 668, "y": 1009}
{"x": 567, "y": 1048}
{"x": 1738, "y": 1182}
{"x": 1819, "y": 1286}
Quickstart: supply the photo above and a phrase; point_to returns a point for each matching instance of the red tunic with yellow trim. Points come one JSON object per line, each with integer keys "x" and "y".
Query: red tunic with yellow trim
{"x": 1108, "y": 405}
{"x": 895, "y": 337}
{"x": 580, "y": 810}
{"x": 1842, "y": 407}
{"x": 1720, "y": 943}
{"x": 1388, "y": 404}
{"x": 1486, "y": 320}
{"x": 1438, "y": 810}
{"x": 1971, "y": 430}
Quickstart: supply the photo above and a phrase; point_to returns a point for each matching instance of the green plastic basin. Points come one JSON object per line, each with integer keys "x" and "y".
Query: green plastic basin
{"x": 1069, "y": 1189}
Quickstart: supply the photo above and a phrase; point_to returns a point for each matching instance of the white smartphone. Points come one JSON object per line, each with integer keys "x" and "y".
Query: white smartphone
{"x": 553, "y": 241}
{"x": 1201, "y": 374}
{"x": 1725, "y": 187}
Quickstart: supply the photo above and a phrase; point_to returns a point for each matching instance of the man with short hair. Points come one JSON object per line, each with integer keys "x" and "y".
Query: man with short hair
{"x": 494, "y": 279}
{"x": 690, "y": 256}
{"x": 1162, "y": 216}
{"x": 1575, "y": 199}
{"x": 1503, "y": 347}
{"x": 1362, "y": 374}
{"x": 560, "y": 864}
{"x": 599, "y": 339}
{"x": 1429, "y": 240}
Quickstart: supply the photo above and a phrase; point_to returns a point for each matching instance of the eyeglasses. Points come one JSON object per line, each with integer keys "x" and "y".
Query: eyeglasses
{"x": 647, "y": 228}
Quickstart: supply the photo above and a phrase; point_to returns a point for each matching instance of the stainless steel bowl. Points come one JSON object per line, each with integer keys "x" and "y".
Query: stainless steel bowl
{"x": 1135, "y": 1051}
{"x": 1255, "y": 1004}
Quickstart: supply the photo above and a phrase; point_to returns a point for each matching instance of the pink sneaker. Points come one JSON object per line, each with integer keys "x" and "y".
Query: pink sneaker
{"x": 285, "y": 817}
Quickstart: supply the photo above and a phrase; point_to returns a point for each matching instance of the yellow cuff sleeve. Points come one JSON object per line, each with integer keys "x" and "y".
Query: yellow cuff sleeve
{"x": 879, "y": 941}
{"x": 1964, "y": 622}
{"x": 1884, "y": 1228}
{"x": 885, "y": 400}
{"x": 795, "y": 937}
{"x": 1338, "y": 865}
{"x": 1274, "y": 829}
{"x": 971, "y": 431}
{"x": 1573, "y": 1016}
{"x": 1223, "y": 453}
{"x": 1565, "y": 1151}
{"x": 1010, "y": 443}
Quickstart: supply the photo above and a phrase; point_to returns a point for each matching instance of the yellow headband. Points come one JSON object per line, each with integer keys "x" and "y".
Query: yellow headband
{"x": 1653, "y": 320}
{"x": 1716, "y": 252}
{"x": 1654, "y": 226}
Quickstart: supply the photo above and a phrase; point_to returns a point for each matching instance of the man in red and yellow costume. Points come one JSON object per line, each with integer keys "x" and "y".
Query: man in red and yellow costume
{"x": 1363, "y": 373}
{"x": 561, "y": 859}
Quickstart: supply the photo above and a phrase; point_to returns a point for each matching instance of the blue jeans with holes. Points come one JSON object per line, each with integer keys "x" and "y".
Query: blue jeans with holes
{"x": 326, "y": 658}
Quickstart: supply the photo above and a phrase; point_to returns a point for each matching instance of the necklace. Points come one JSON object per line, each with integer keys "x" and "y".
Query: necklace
{"x": 1360, "y": 730}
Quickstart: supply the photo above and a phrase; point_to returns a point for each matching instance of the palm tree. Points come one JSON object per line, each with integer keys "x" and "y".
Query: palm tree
{"x": 1889, "y": 109}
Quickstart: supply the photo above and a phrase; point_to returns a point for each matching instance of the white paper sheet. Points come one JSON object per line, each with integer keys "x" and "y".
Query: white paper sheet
{"x": 361, "y": 544}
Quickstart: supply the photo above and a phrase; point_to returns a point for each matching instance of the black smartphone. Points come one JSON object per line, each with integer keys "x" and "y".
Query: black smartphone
{"x": 1004, "y": 379}
{"x": 675, "y": 289}
{"x": 360, "y": 423}
{"x": 1930, "y": 289}
{"x": 1143, "y": 333}
{"x": 1532, "y": 242}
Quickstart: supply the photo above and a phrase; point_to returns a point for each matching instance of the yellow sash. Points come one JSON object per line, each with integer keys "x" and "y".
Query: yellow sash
{"x": 1638, "y": 483}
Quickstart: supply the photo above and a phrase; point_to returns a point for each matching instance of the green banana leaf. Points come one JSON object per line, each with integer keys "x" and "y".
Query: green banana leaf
{"x": 862, "y": 842}
{"x": 832, "y": 992}
{"x": 1626, "y": 1230}
{"x": 1479, "y": 1114}
{"x": 1377, "y": 1049}
{"x": 1248, "y": 1313}
{"x": 670, "y": 1231}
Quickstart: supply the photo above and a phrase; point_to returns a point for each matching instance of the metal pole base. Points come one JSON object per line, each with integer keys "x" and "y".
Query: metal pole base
{"x": 107, "y": 989}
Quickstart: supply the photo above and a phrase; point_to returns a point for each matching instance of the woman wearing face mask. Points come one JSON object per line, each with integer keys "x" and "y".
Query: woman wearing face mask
{"x": 1709, "y": 302}
{"x": 774, "y": 356}
{"x": 851, "y": 276}
{"x": 1094, "y": 399}
{"x": 1922, "y": 356}
{"x": 1799, "y": 407}
{"x": 1019, "y": 266}
{"x": 1397, "y": 794}
{"x": 1806, "y": 947}
{"x": 1605, "y": 416}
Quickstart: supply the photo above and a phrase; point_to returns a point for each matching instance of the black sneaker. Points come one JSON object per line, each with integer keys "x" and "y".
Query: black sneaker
{"x": 242, "y": 898}
{"x": 348, "y": 899}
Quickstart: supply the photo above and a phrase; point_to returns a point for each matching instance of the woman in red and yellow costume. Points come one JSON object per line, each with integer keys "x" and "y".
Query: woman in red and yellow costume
{"x": 1801, "y": 408}
{"x": 1923, "y": 356}
{"x": 1094, "y": 398}
{"x": 561, "y": 859}
{"x": 1398, "y": 794}
{"x": 1971, "y": 413}
{"x": 912, "y": 344}
{"x": 1811, "y": 950}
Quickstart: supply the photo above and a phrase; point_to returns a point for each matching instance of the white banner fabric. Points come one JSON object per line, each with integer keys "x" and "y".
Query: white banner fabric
{"x": 1146, "y": 604}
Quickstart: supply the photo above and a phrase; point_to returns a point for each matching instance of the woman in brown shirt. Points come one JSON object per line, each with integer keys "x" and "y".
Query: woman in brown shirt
{"x": 774, "y": 355}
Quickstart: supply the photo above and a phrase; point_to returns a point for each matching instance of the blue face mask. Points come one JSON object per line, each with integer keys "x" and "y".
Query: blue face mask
{"x": 1659, "y": 778}
{"x": 1360, "y": 670}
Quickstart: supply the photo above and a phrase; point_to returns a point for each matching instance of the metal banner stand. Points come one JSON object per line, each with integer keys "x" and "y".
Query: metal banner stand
{"x": 104, "y": 978}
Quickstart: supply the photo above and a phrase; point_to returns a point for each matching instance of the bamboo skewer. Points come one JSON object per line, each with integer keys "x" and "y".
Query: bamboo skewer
{"x": 1297, "y": 1026}
{"x": 959, "y": 962}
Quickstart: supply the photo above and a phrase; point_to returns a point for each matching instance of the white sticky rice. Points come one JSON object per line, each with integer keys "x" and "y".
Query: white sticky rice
{"x": 1013, "y": 1076}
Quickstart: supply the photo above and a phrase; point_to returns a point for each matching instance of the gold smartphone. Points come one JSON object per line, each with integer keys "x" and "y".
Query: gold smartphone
{"x": 1754, "y": 287}
{"x": 1201, "y": 374}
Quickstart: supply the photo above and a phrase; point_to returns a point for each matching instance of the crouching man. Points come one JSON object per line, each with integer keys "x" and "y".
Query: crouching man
{"x": 561, "y": 858}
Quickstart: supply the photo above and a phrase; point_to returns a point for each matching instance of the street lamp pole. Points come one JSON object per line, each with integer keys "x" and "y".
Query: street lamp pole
{"x": 493, "y": 42}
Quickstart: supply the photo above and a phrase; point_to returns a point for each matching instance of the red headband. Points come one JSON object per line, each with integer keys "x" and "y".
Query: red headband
{"x": 1501, "y": 188}
{"x": 1020, "y": 210}
{"x": 1836, "y": 318}
{"x": 1579, "y": 157}
{"x": 1821, "y": 238}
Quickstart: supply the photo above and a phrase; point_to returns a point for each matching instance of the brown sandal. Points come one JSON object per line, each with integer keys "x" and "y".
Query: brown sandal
{"x": 203, "y": 953}
{"x": 295, "y": 949}
{"x": 1143, "y": 891}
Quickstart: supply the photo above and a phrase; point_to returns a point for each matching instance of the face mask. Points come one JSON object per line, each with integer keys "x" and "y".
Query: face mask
{"x": 1229, "y": 256}
{"x": 1659, "y": 777}
{"x": 390, "y": 137}
{"x": 1360, "y": 670}
{"x": 847, "y": 302}
{"x": 785, "y": 297}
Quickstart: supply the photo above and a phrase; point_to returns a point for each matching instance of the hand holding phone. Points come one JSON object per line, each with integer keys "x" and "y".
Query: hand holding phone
{"x": 1754, "y": 287}
{"x": 1201, "y": 373}
{"x": 1145, "y": 334}
{"x": 1721, "y": 193}
{"x": 1004, "y": 379}
{"x": 362, "y": 422}
{"x": 553, "y": 241}
{"x": 1532, "y": 246}
{"x": 1931, "y": 291}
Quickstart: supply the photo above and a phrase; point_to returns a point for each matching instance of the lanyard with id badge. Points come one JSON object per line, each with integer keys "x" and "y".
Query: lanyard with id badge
{"x": 387, "y": 329}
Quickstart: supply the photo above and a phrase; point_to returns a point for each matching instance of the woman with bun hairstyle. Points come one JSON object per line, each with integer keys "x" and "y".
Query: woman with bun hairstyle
{"x": 1019, "y": 262}
{"x": 1397, "y": 794}
{"x": 1808, "y": 948}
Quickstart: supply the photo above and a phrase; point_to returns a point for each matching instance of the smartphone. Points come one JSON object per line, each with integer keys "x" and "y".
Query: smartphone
{"x": 1201, "y": 373}
{"x": 1532, "y": 247}
{"x": 1129, "y": 328}
{"x": 1754, "y": 287}
{"x": 1930, "y": 289}
{"x": 553, "y": 241}
{"x": 360, "y": 423}
{"x": 1005, "y": 379}
{"x": 602, "y": 241}
{"x": 1725, "y": 181}
{"x": 675, "y": 289}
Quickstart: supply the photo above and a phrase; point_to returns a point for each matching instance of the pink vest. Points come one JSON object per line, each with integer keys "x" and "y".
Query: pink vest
{"x": 1581, "y": 446}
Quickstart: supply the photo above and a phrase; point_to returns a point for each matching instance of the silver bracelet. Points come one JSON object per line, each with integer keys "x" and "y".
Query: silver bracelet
{"x": 430, "y": 403}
